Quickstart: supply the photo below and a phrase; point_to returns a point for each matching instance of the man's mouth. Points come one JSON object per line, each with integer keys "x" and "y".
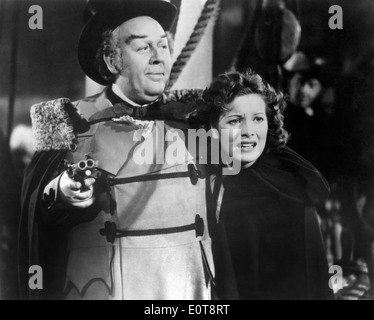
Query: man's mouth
{"x": 155, "y": 76}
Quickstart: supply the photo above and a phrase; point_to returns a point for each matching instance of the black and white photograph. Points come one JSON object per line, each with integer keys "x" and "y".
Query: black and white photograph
{"x": 199, "y": 151}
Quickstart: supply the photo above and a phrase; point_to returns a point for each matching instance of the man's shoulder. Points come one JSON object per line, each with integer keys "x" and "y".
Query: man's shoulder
{"x": 180, "y": 107}
{"x": 56, "y": 122}
{"x": 92, "y": 104}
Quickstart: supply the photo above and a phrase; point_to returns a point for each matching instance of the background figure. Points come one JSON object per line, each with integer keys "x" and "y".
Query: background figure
{"x": 311, "y": 121}
{"x": 308, "y": 118}
{"x": 13, "y": 160}
{"x": 21, "y": 147}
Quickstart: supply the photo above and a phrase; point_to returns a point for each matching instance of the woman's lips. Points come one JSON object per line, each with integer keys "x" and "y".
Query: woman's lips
{"x": 247, "y": 146}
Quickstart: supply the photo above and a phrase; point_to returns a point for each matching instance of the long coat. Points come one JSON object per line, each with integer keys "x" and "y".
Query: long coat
{"x": 146, "y": 235}
{"x": 268, "y": 244}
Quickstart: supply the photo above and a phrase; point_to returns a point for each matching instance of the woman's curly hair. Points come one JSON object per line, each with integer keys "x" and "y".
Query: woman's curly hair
{"x": 230, "y": 85}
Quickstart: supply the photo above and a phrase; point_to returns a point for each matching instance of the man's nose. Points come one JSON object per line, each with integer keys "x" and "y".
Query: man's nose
{"x": 305, "y": 88}
{"x": 156, "y": 57}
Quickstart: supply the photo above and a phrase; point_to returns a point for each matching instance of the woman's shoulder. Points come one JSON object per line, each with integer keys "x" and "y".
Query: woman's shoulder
{"x": 289, "y": 170}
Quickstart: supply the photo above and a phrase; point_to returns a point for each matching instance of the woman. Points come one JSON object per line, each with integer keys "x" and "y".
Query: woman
{"x": 267, "y": 242}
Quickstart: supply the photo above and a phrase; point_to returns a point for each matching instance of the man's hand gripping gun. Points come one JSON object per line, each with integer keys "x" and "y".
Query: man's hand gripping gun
{"x": 82, "y": 169}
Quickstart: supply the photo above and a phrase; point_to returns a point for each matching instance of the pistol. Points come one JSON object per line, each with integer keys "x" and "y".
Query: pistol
{"x": 77, "y": 171}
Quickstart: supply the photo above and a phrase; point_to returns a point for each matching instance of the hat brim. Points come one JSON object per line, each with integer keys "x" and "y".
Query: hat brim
{"x": 113, "y": 16}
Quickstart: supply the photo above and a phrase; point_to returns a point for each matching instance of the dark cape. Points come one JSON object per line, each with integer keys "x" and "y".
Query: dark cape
{"x": 268, "y": 244}
{"x": 36, "y": 242}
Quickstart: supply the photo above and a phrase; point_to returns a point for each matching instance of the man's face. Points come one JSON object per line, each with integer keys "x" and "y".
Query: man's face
{"x": 144, "y": 59}
{"x": 304, "y": 91}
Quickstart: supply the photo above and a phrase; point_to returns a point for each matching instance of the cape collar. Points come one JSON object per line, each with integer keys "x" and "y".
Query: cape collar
{"x": 284, "y": 172}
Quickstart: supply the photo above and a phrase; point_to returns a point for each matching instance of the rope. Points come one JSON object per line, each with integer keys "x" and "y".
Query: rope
{"x": 211, "y": 8}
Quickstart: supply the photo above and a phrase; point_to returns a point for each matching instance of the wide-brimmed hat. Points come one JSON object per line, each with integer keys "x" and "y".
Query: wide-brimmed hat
{"x": 110, "y": 14}
{"x": 309, "y": 68}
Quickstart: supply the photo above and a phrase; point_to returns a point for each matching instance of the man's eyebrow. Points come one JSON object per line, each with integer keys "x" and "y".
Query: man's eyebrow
{"x": 135, "y": 36}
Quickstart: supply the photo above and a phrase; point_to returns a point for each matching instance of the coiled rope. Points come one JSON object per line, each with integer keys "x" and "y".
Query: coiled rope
{"x": 211, "y": 8}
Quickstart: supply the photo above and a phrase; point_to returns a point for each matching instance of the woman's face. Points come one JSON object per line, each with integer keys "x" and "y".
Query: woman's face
{"x": 247, "y": 113}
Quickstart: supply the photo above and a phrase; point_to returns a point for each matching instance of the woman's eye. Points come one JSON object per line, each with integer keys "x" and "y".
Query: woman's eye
{"x": 234, "y": 121}
{"x": 259, "y": 119}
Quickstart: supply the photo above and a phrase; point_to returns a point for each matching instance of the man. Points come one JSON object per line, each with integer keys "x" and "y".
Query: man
{"x": 138, "y": 228}
{"x": 306, "y": 117}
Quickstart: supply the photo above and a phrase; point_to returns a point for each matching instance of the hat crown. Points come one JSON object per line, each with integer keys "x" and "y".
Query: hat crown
{"x": 102, "y": 15}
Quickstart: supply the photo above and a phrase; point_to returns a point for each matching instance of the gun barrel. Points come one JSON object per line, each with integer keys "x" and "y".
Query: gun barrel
{"x": 90, "y": 164}
{"x": 86, "y": 164}
{"x": 82, "y": 165}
